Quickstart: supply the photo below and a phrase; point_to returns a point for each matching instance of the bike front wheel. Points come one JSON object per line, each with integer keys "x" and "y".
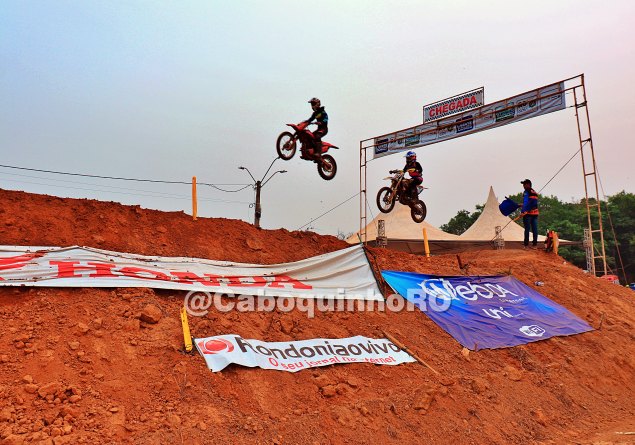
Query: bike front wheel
{"x": 286, "y": 145}
{"x": 385, "y": 200}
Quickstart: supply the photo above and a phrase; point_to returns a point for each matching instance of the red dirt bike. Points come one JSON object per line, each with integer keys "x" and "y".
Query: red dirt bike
{"x": 287, "y": 145}
{"x": 398, "y": 191}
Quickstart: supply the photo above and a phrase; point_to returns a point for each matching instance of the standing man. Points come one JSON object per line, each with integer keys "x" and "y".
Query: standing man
{"x": 530, "y": 213}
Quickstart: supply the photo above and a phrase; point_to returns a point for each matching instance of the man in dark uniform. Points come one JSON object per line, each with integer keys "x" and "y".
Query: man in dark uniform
{"x": 530, "y": 213}
{"x": 322, "y": 120}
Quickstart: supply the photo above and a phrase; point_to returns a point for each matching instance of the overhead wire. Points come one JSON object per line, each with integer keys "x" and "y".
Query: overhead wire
{"x": 562, "y": 168}
{"x": 150, "y": 194}
{"x": 158, "y": 181}
{"x": 86, "y": 183}
{"x": 328, "y": 211}
{"x": 226, "y": 191}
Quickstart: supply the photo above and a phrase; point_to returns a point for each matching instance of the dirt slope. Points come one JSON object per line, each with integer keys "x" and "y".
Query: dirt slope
{"x": 79, "y": 366}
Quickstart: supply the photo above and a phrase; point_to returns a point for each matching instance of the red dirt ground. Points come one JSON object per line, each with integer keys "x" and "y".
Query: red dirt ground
{"x": 79, "y": 366}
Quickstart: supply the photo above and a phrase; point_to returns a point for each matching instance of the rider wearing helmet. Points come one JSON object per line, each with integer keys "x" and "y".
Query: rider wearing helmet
{"x": 322, "y": 119}
{"x": 414, "y": 170}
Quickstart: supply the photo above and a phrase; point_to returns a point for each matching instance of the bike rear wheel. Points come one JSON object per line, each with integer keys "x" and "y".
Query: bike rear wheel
{"x": 385, "y": 200}
{"x": 327, "y": 168}
{"x": 418, "y": 211}
{"x": 286, "y": 145}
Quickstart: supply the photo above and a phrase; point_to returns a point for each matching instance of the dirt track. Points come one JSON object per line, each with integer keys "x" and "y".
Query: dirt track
{"x": 79, "y": 366}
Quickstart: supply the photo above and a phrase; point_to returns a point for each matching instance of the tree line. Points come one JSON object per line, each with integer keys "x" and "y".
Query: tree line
{"x": 569, "y": 219}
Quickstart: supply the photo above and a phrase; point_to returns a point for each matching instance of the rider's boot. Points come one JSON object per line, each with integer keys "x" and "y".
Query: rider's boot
{"x": 317, "y": 151}
{"x": 305, "y": 153}
{"x": 412, "y": 194}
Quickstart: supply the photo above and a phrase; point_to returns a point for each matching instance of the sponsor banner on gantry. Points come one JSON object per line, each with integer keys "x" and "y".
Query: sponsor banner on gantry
{"x": 523, "y": 106}
{"x": 486, "y": 312}
{"x": 343, "y": 274}
{"x": 292, "y": 356}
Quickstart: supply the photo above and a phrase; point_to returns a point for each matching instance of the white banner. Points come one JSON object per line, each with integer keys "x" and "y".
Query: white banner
{"x": 344, "y": 274}
{"x": 514, "y": 109}
{"x": 294, "y": 356}
{"x": 453, "y": 105}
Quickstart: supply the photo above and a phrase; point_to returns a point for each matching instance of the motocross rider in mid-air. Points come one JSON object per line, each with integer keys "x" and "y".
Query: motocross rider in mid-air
{"x": 414, "y": 170}
{"x": 322, "y": 120}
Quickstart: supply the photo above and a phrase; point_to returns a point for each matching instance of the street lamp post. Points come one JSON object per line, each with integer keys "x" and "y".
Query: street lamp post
{"x": 258, "y": 185}
{"x": 258, "y": 211}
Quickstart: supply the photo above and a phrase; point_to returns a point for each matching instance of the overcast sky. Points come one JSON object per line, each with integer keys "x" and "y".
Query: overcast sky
{"x": 168, "y": 90}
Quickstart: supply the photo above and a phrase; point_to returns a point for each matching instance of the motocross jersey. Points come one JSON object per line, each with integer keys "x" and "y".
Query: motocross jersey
{"x": 414, "y": 169}
{"x": 321, "y": 117}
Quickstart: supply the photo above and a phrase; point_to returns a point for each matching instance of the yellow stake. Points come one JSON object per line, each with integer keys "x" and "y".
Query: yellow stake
{"x": 187, "y": 337}
{"x": 194, "y": 206}
{"x": 426, "y": 248}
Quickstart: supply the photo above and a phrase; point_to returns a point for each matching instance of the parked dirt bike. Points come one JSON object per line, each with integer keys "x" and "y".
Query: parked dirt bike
{"x": 398, "y": 191}
{"x": 287, "y": 145}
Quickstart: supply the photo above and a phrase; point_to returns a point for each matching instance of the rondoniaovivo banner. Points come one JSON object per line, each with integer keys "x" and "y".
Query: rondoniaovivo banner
{"x": 343, "y": 274}
{"x": 293, "y": 356}
{"x": 533, "y": 103}
{"x": 486, "y": 312}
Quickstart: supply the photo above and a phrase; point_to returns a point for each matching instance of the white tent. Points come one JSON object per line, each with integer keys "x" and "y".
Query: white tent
{"x": 399, "y": 225}
{"x": 484, "y": 228}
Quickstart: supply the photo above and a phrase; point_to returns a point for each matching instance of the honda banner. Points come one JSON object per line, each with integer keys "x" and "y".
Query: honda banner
{"x": 533, "y": 103}
{"x": 344, "y": 274}
{"x": 293, "y": 356}
{"x": 486, "y": 312}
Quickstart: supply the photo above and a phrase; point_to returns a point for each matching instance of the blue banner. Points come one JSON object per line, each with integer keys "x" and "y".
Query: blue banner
{"x": 486, "y": 312}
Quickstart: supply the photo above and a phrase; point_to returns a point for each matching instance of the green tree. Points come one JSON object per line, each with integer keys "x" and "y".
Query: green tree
{"x": 569, "y": 219}
{"x": 462, "y": 221}
{"x": 620, "y": 215}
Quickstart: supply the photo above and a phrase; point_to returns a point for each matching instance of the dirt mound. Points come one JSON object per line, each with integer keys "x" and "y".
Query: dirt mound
{"x": 29, "y": 219}
{"x": 105, "y": 366}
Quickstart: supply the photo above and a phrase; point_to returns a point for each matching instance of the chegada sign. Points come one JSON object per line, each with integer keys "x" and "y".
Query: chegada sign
{"x": 453, "y": 105}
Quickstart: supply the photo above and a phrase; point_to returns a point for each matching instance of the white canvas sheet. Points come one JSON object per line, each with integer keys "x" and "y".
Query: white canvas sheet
{"x": 344, "y": 274}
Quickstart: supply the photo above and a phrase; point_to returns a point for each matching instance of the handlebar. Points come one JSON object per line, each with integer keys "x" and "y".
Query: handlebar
{"x": 392, "y": 172}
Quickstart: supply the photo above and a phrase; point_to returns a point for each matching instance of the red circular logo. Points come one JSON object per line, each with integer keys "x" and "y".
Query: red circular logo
{"x": 216, "y": 345}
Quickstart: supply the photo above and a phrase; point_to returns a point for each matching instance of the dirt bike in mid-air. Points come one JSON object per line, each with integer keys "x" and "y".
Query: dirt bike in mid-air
{"x": 287, "y": 145}
{"x": 398, "y": 191}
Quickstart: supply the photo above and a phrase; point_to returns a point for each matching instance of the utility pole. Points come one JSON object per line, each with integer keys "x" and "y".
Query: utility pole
{"x": 258, "y": 211}
{"x": 258, "y": 185}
